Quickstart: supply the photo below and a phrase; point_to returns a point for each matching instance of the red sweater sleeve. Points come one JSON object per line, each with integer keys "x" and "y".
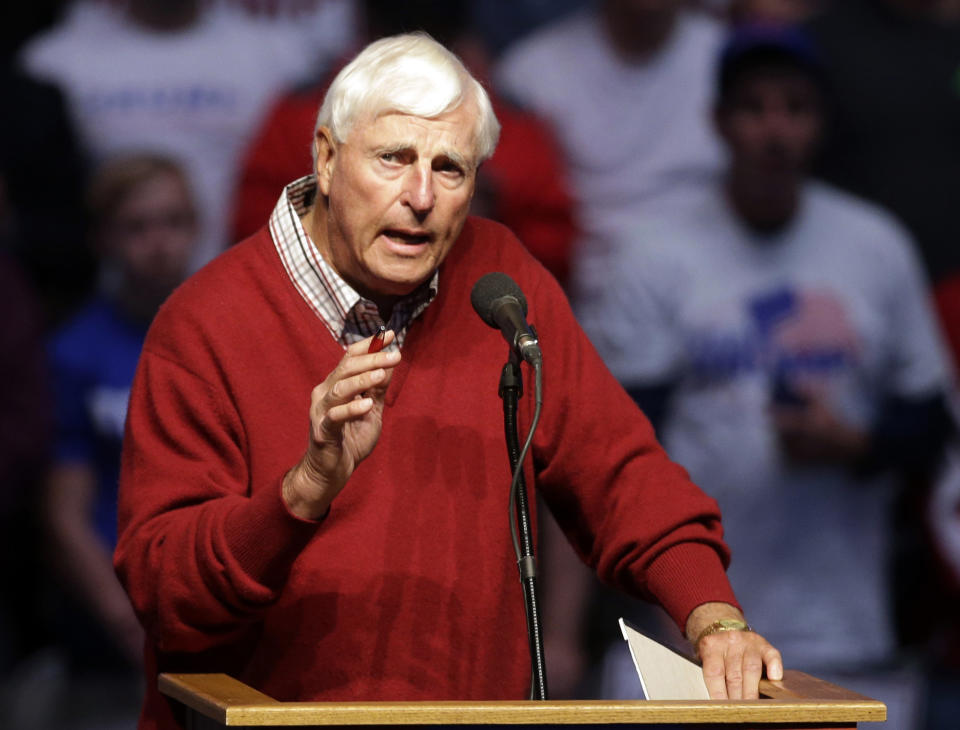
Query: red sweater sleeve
{"x": 633, "y": 515}
{"x": 200, "y": 552}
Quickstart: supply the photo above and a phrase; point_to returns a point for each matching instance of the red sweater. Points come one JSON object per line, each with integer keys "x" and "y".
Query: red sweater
{"x": 409, "y": 588}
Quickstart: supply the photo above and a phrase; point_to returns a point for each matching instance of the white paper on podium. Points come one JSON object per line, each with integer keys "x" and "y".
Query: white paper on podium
{"x": 664, "y": 674}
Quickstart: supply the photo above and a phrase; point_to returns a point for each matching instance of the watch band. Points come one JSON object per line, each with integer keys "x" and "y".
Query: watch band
{"x": 720, "y": 625}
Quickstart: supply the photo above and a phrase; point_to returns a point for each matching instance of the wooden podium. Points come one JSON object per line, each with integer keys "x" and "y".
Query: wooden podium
{"x": 799, "y": 701}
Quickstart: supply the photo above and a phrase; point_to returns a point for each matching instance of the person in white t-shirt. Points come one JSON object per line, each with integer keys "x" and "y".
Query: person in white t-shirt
{"x": 626, "y": 87}
{"x": 778, "y": 333}
{"x": 183, "y": 78}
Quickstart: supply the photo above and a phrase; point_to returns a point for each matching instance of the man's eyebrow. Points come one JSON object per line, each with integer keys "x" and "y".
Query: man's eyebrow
{"x": 457, "y": 159}
{"x": 394, "y": 148}
{"x": 446, "y": 154}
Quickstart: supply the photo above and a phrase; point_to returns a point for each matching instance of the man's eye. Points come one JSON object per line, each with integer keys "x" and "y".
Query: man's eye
{"x": 450, "y": 168}
{"x": 397, "y": 157}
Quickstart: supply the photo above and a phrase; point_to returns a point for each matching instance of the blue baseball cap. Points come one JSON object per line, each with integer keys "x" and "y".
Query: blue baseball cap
{"x": 756, "y": 45}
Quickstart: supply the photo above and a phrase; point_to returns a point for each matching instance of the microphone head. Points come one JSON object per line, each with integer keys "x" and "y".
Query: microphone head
{"x": 489, "y": 290}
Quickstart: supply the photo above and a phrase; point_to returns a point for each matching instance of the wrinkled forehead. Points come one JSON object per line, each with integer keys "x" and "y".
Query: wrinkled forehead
{"x": 456, "y": 131}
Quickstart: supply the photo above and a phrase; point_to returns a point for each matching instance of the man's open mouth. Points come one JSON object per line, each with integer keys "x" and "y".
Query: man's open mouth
{"x": 411, "y": 238}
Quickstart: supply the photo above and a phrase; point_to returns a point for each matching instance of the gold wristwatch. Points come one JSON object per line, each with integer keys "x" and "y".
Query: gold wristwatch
{"x": 723, "y": 624}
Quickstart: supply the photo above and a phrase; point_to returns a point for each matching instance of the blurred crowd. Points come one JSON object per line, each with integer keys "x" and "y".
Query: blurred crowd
{"x": 752, "y": 205}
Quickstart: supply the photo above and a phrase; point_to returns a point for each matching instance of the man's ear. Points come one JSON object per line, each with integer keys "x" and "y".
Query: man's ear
{"x": 326, "y": 152}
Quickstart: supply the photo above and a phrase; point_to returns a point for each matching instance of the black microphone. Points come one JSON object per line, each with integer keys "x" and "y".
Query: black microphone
{"x": 501, "y": 304}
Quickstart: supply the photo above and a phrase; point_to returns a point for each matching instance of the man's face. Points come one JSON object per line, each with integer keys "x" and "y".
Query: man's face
{"x": 399, "y": 189}
{"x": 771, "y": 124}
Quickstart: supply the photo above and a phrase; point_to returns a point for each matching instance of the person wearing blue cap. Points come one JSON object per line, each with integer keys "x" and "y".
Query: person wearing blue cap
{"x": 777, "y": 332}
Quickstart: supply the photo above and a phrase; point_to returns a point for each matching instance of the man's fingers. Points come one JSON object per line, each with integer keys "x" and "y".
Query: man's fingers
{"x": 354, "y": 376}
{"x": 733, "y": 664}
{"x": 349, "y": 388}
{"x": 347, "y": 400}
{"x": 774, "y": 663}
{"x": 354, "y": 409}
{"x": 327, "y": 401}
{"x": 363, "y": 346}
{"x": 733, "y": 659}
{"x": 752, "y": 671}
{"x": 352, "y": 365}
{"x": 715, "y": 675}
{"x": 331, "y": 424}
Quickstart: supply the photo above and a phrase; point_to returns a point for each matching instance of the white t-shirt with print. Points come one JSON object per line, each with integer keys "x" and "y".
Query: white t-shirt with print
{"x": 837, "y": 305}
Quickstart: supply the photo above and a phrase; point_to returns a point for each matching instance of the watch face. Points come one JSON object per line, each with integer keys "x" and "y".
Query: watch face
{"x": 733, "y": 624}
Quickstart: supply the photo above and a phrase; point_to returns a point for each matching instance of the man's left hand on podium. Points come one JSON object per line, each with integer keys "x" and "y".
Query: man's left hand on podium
{"x": 734, "y": 656}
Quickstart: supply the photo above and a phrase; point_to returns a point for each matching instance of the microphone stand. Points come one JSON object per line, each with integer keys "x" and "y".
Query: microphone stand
{"x": 510, "y": 390}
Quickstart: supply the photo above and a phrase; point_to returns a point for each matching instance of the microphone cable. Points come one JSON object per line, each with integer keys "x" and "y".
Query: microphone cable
{"x": 518, "y": 469}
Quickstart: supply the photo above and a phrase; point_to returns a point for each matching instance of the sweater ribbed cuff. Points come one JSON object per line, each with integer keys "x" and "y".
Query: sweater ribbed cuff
{"x": 265, "y": 537}
{"x": 686, "y": 576}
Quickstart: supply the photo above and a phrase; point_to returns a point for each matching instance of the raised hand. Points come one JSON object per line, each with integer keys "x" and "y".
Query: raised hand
{"x": 346, "y": 417}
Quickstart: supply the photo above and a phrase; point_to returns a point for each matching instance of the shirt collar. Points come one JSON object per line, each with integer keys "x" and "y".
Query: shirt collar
{"x": 347, "y": 315}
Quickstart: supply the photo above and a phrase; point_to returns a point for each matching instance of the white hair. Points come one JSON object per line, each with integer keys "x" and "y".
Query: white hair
{"x": 409, "y": 74}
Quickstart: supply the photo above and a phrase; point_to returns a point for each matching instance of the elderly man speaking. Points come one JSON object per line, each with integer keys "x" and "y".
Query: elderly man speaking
{"x": 325, "y": 522}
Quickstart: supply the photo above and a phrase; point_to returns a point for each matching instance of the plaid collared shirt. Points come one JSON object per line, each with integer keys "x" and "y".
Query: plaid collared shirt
{"x": 347, "y": 315}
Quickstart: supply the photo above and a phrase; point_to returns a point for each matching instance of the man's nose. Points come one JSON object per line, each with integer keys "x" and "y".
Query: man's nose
{"x": 419, "y": 191}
